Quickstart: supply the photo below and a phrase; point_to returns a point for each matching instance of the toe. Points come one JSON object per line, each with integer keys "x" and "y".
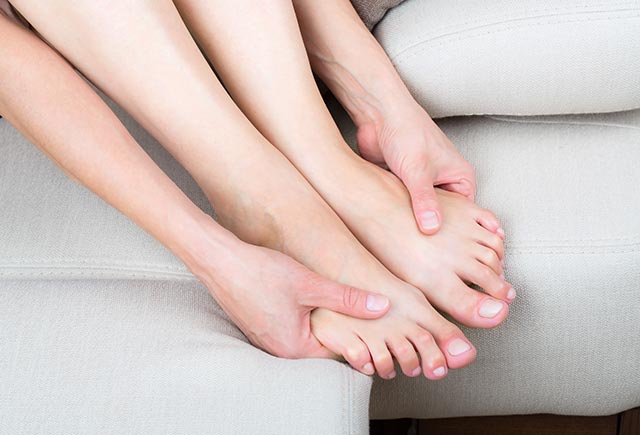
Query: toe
{"x": 489, "y": 221}
{"x": 381, "y": 356}
{"x": 406, "y": 356}
{"x": 462, "y": 303}
{"x": 457, "y": 350}
{"x": 434, "y": 364}
{"x": 491, "y": 241}
{"x": 486, "y": 278}
{"x": 489, "y": 258}
{"x": 355, "y": 352}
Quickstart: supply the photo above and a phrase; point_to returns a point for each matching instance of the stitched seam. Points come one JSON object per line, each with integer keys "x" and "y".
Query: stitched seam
{"x": 95, "y": 261}
{"x": 566, "y": 122}
{"x": 474, "y": 24}
{"x": 516, "y": 251}
{"x": 91, "y": 274}
{"x": 424, "y": 45}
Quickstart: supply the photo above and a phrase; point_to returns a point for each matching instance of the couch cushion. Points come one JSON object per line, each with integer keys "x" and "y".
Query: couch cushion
{"x": 565, "y": 189}
{"x": 155, "y": 357}
{"x": 52, "y": 227}
{"x": 528, "y": 57}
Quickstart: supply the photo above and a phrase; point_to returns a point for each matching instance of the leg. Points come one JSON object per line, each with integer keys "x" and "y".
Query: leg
{"x": 393, "y": 130}
{"x": 254, "y": 188}
{"x": 75, "y": 128}
{"x": 288, "y": 109}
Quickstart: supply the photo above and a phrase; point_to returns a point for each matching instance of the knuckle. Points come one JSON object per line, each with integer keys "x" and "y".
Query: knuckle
{"x": 350, "y": 296}
{"x": 424, "y": 338}
{"x": 404, "y": 351}
{"x": 356, "y": 354}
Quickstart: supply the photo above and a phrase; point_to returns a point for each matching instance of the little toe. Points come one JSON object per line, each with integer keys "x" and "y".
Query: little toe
{"x": 382, "y": 359}
{"x": 406, "y": 356}
{"x": 434, "y": 364}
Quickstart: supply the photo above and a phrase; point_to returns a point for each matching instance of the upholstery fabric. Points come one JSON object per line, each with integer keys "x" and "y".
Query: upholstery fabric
{"x": 155, "y": 357}
{"x": 526, "y": 57}
{"x": 52, "y": 227}
{"x": 372, "y": 11}
{"x": 564, "y": 188}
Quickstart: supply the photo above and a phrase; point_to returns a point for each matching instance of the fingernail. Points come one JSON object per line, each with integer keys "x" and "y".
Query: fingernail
{"x": 511, "y": 294}
{"x": 502, "y": 276}
{"x": 377, "y": 303}
{"x": 490, "y": 308}
{"x": 457, "y": 347}
{"x": 416, "y": 371}
{"x": 368, "y": 369}
{"x": 429, "y": 220}
{"x": 500, "y": 232}
{"x": 440, "y": 371}
{"x": 391, "y": 375}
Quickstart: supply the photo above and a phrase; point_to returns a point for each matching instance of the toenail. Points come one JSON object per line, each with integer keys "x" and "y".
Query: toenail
{"x": 377, "y": 302}
{"x": 500, "y": 232}
{"x": 368, "y": 369}
{"x": 511, "y": 294}
{"x": 458, "y": 346}
{"x": 429, "y": 220}
{"x": 490, "y": 308}
{"x": 416, "y": 371}
{"x": 440, "y": 371}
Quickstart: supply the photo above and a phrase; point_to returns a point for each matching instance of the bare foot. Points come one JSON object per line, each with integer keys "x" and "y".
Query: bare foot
{"x": 377, "y": 208}
{"x": 283, "y": 212}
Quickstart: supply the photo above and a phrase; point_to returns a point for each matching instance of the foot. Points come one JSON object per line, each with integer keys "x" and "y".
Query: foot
{"x": 412, "y": 146}
{"x": 283, "y": 212}
{"x": 441, "y": 265}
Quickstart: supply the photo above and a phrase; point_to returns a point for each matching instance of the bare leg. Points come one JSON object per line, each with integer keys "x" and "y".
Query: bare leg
{"x": 156, "y": 72}
{"x": 74, "y": 127}
{"x": 277, "y": 92}
{"x": 393, "y": 130}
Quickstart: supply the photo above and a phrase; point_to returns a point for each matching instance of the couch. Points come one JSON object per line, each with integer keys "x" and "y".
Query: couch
{"x": 103, "y": 331}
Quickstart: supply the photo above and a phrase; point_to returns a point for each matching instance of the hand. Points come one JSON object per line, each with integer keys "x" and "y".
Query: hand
{"x": 270, "y": 297}
{"x": 414, "y": 148}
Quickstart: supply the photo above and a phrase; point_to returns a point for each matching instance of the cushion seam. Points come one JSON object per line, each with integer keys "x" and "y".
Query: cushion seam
{"x": 533, "y": 13}
{"x": 561, "y": 122}
{"x": 421, "y": 46}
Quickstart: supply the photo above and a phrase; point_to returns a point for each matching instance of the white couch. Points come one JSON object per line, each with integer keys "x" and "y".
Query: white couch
{"x": 102, "y": 330}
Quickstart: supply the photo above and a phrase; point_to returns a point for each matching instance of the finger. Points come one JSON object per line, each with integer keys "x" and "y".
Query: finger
{"x": 323, "y": 293}
{"x": 424, "y": 201}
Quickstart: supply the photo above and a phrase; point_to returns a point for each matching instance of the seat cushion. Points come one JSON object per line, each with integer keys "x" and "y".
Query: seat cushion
{"x": 527, "y": 57}
{"x": 52, "y": 227}
{"x": 155, "y": 357}
{"x": 565, "y": 189}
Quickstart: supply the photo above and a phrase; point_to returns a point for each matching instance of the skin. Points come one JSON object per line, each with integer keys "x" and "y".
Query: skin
{"x": 393, "y": 130}
{"x": 96, "y": 150}
{"x": 440, "y": 265}
{"x": 274, "y": 206}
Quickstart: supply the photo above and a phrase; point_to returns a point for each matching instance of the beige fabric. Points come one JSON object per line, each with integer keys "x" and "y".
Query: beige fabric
{"x": 132, "y": 357}
{"x": 372, "y": 11}
{"x": 526, "y": 57}
{"x": 565, "y": 190}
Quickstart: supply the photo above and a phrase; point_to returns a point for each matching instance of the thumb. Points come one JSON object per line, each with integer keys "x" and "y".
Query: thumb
{"x": 423, "y": 200}
{"x": 354, "y": 302}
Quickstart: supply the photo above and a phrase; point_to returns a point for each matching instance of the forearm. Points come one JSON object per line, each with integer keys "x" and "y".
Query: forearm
{"x": 346, "y": 56}
{"x": 43, "y": 97}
